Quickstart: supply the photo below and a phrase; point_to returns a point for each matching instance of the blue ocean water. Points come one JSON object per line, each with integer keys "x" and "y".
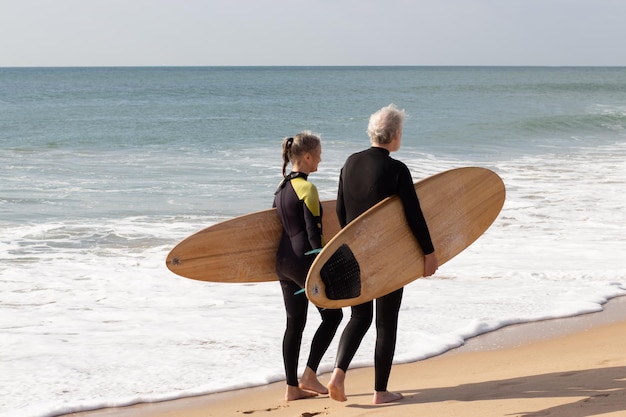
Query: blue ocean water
{"x": 104, "y": 170}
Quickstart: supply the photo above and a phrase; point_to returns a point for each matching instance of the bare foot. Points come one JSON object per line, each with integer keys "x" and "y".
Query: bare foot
{"x": 336, "y": 387}
{"x": 296, "y": 393}
{"x": 383, "y": 397}
{"x": 309, "y": 382}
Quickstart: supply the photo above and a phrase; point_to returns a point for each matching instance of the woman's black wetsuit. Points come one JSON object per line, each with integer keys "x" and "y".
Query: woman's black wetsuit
{"x": 366, "y": 178}
{"x": 300, "y": 212}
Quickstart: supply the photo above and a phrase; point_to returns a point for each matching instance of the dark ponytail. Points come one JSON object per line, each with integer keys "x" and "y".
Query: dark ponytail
{"x": 287, "y": 143}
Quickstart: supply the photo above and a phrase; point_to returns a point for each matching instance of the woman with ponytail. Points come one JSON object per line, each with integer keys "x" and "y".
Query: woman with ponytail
{"x": 300, "y": 212}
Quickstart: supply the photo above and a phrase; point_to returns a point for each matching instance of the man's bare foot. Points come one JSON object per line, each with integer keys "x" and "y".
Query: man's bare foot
{"x": 296, "y": 393}
{"x": 336, "y": 387}
{"x": 309, "y": 382}
{"x": 383, "y": 397}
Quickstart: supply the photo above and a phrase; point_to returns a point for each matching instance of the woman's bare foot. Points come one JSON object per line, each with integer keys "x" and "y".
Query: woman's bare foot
{"x": 336, "y": 387}
{"x": 309, "y": 382}
{"x": 383, "y": 397}
{"x": 296, "y": 393}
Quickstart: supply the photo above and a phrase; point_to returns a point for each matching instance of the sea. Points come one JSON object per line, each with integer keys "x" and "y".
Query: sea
{"x": 104, "y": 170}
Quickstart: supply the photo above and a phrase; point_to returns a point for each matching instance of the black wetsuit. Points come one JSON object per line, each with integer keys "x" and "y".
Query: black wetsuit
{"x": 300, "y": 212}
{"x": 366, "y": 178}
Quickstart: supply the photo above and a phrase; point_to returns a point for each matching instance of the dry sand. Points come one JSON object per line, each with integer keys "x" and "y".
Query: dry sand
{"x": 573, "y": 367}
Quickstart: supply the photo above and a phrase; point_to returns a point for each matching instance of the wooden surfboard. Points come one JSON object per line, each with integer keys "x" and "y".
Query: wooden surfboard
{"x": 242, "y": 249}
{"x": 377, "y": 253}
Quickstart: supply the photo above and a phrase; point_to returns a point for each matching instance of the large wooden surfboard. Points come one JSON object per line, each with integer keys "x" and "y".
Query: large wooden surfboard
{"x": 242, "y": 249}
{"x": 377, "y": 253}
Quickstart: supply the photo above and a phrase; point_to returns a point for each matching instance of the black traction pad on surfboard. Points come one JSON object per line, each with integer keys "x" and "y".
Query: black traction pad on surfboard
{"x": 341, "y": 275}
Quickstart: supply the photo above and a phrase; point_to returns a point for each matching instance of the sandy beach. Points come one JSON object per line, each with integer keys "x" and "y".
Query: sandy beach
{"x": 574, "y": 367}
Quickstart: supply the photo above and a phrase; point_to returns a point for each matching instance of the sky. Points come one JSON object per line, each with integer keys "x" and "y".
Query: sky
{"x": 36, "y": 33}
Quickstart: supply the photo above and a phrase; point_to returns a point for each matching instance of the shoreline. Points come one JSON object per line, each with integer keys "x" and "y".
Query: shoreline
{"x": 514, "y": 335}
{"x": 554, "y": 367}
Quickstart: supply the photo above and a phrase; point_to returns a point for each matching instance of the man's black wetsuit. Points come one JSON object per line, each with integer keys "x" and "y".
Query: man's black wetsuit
{"x": 367, "y": 178}
{"x": 300, "y": 212}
